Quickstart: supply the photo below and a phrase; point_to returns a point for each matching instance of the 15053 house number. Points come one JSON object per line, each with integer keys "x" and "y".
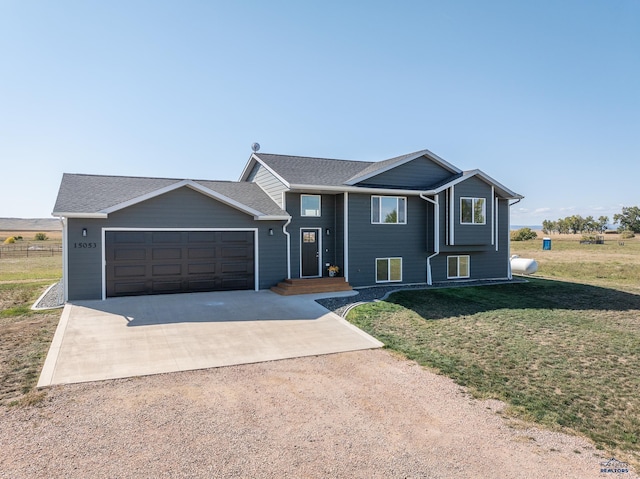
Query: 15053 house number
{"x": 85, "y": 245}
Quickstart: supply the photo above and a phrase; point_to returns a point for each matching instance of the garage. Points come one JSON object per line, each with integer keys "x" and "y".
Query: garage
{"x": 140, "y": 262}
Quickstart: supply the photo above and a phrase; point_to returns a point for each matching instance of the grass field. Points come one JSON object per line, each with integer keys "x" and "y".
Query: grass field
{"x": 564, "y": 353}
{"x": 25, "y": 335}
{"x": 615, "y": 263}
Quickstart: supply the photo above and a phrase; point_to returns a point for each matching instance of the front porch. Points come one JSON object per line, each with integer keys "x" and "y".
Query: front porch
{"x": 290, "y": 287}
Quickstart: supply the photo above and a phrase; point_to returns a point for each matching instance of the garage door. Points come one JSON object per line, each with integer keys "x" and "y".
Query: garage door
{"x": 162, "y": 262}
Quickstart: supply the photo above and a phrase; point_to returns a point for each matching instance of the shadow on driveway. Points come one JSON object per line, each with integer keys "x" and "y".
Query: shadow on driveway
{"x": 135, "y": 336}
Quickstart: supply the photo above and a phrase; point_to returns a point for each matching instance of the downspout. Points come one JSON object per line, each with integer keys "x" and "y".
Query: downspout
{"x": 509, "y": 273}
{"x": 286, "y": 233}
{"x": 346, "y": 237}
{"x": 436, "y": 234}
{"x": 65, "y": 262}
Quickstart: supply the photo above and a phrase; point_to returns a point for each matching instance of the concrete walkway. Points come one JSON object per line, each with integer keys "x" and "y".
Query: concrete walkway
{"x": 136, "y": 336}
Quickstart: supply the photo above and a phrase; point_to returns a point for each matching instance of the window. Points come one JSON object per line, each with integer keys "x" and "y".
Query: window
{"x": 472, "y": 211}
{"x": 309, "y": 205}
{"x": 388, "y": 269}
{"x": 457, "y": 267}
{"x": 388, "y": 209}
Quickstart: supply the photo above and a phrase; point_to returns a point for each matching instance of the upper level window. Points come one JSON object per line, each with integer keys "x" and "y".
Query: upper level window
{"x": 472, "y": 211}
{"x": 309, "y": 205}
{"x": 388, "y": 209}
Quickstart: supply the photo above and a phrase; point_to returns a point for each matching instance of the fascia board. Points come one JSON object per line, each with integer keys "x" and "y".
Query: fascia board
{"x": 355, "y": 189}
{"x": 255, "y": 158}
{"x": 247, "y": 168}
{"x": 63, "y": 214}
{"x": 509, "y": 194}
{"x": 147, "y": 196}
{"x": 223, "y": 199}
{"x": 190, "y": 184}
{"x": 272, "y": 218}
{"x": 427, "y": 153}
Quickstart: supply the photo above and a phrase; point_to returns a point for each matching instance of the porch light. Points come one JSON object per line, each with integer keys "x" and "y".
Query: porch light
{"x": 84, "y": 232}
{"x": 328, "y": 232}
{"x": 270, "y": 231}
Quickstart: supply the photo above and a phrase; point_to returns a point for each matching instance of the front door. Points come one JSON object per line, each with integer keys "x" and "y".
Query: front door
{"x": 310, "y": 252}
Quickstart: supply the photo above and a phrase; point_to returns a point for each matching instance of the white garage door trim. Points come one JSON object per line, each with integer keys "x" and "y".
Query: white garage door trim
{"x": 104, "y": 245}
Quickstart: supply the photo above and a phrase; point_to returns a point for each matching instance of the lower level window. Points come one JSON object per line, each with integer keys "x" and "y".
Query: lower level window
{"x": 458, "y": 266}
{"x": 388, "y": 269}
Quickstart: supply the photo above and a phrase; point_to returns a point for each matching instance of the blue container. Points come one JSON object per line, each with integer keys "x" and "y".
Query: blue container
{"x": 546, "y": 243}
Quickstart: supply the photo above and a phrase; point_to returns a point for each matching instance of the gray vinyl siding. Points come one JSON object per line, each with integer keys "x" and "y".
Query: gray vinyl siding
{"x": 485, "y": 261}
{"x": 326, "y": 220}
{"x": 472, "y": 234}
{"x": 268, "y": 182}
{"x": 370, "y": 241}
{"x": 483, "y": 265}
{"x": 419, "y": 173}
{"x": 181, "y": 208}
{"x": 339, "y": 236}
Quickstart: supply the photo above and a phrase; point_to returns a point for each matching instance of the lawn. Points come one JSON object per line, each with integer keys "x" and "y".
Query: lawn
{"x": 616, "y": 263}
{"x": 565, "y": 354}
{"x": 25, "y": 335}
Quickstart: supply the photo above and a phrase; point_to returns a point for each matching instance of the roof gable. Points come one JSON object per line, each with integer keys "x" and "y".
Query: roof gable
{"x": 380, "y": 167}
{"x": 501, "y": 190}
{"x": 304, "y": 170}
{"x": 97, "y": 196}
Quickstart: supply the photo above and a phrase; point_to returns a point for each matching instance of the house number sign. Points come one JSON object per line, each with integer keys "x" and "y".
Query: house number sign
{"x": 85, "y": 245}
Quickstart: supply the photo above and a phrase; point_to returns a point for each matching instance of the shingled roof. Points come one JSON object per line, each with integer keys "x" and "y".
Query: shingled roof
{"x": 304, "y": 170}
{"x": 81, "y": 194}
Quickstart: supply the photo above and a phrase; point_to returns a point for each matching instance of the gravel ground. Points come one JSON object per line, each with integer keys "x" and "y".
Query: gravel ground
{"x": 365, "y": 414}
{"x": 52, "y": 298}
{"x": 342, "y": 305}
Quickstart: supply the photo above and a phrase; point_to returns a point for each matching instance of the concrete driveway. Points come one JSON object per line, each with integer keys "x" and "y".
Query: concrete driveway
{"x": 136, "y": 336}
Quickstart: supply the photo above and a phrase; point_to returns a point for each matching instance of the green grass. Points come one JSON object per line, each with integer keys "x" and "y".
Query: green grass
{"x": 31, "y": 268}
{"x": 611, "y": 264}
{"x": 25, "y": 335}
{"x": 562, "y": 354}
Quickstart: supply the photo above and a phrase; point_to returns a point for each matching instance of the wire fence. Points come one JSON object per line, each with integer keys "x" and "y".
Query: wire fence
{"x": 29, "y": 249}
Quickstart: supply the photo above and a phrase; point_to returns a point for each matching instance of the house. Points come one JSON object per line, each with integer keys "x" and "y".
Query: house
{"x": 411, "y": 219}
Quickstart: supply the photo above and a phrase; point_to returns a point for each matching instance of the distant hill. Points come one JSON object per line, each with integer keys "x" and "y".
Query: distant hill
{"x": 30, "y": 224}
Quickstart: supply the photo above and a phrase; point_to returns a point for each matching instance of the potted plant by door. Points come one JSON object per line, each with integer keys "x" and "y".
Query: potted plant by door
{"x": 333, "y": 270}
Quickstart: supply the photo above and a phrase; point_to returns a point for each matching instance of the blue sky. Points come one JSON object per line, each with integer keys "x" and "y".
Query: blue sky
{"x": 542, "y": 96}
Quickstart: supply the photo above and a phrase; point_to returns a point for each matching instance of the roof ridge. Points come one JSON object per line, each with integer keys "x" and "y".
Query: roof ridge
{"x": 95, "y": 175}
{"x": 314, "y": 157}
{"x": 150, "y": 178}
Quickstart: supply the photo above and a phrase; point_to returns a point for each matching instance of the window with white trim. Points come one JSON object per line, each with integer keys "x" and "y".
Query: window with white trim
{"x": 388, "y": 209}
{"x": 473, "y": 211}
{"x": 310, "y": 205}
{"x": 388, "y": 270}
{"x": 458, "y": 266}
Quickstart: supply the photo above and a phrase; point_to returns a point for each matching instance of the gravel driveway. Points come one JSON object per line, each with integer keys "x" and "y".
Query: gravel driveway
{"x": 363, "y": 414}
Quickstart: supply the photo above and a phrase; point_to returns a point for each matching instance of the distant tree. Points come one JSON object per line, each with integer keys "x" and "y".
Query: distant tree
{"x": 576, "y": 224}
{"x": 563, "y": 226}
{"x": 523, "y": 234}
{"x": 629, "y": 219}
{"x": 549, "y": 227}
{"x": 41, "y": 237}
{"x": 603, "y": 221}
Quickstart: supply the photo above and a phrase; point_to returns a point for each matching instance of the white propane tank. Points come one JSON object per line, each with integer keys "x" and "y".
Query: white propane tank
{"x": 523, "y": 265}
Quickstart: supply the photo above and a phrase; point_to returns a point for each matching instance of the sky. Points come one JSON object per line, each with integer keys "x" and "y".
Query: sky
{"x": 542, "y": 96}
